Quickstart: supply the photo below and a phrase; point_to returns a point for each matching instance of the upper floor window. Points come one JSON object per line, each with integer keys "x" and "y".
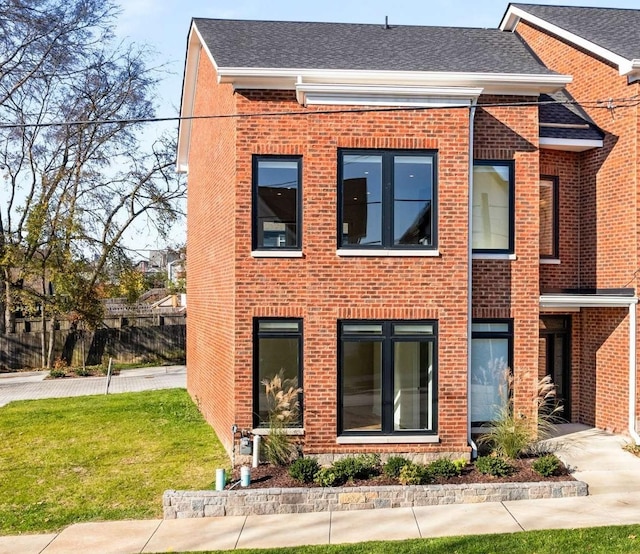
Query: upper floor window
{"x": 387, "y": 199}
{"x": 276, "y": 202}
{"x": 493, "y": 207}
{"x": 549, "y": 218}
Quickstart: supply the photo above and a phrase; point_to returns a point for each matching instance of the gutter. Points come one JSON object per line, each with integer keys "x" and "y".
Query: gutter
{"x": 472, "y": 113}
{"x": 632, "y": 374}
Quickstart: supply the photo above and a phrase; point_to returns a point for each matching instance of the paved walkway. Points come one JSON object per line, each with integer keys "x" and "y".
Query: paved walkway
{"x": 32, "y": 384}
{"x": 595, "y": 455}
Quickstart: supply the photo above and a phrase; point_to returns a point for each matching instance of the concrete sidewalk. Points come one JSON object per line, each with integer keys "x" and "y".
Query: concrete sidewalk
{"x": 226, "y": 533}
{"x": 613, "y": 476}
{"x": 32, "y": 385}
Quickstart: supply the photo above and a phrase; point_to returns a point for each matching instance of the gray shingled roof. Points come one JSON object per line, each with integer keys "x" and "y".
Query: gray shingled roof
{"x": 617, "y": 30}
{"x": 566, "y": 113}
{"x": 298, "y": 45}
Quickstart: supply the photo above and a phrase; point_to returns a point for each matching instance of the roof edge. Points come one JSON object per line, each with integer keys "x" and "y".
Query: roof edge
{"x": 514, "y": 14}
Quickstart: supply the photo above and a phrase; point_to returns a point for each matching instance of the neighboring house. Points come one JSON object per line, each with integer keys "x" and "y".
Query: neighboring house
{"x": 387, "y": 214}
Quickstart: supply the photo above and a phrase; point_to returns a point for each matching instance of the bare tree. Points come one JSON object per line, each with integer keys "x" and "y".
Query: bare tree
{"x": 73, "y": 190}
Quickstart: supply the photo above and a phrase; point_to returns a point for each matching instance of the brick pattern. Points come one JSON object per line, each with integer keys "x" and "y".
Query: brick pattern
{"x": 602, "y": 249}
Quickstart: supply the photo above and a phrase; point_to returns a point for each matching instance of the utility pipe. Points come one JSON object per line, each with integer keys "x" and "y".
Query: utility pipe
{"x": 632, "y": 373}
{"x": 472, "y": 113}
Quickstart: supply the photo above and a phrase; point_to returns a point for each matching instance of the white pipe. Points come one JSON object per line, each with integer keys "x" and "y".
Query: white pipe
{"x": 256, "y": 450}
{"x": 632, "y": 373}
{"x": 472, "y": 113}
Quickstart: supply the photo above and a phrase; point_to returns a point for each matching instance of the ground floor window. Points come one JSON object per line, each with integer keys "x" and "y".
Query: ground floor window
{"x": 491, "y": 359}
{"x": 387, "y": 377}
{"x": 277, "y": 352}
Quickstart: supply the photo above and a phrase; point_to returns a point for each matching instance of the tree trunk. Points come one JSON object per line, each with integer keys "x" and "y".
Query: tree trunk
{"x": 52, "y": 339}
{"x": 43, "y": 338}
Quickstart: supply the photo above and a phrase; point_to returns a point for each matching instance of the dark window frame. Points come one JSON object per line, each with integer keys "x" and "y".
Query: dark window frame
{"x": 255, "y": 235}
{"x": 555, "y": 255}
{"x": 512, "y": 206}
{"x": 387, "y": 387}
{"x": 387, "y": 214}
{"x": 257, "y": 335}
{"x": 508, "y": 334}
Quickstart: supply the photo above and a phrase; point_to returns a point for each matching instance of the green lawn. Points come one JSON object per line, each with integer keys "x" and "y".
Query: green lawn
{"x": 595, "y": 540}
{"x": 100, "y": 458}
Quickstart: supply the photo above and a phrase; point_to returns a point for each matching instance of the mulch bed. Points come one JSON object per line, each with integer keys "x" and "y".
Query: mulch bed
{"x": 269, "y": 476}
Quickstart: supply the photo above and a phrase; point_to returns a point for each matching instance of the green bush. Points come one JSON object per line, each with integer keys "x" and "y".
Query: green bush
{"x": 460, "y": 464}
{"x": 304, "y": 469}
{"x": 363, "y": 466}
{"x": 328, "y": 477}
{"x": 415, "y": 474}
{"x": 443, "y": 468}
{"x": 82, "y": 371}
{"x": 394, "y": 465}
{"x": 546, "y": 465}
{"x": 56, "y": 373}
{"x": 490, "y": 465}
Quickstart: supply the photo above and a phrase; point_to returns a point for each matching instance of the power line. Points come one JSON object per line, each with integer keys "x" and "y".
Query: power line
{"x": 609, "y": 104}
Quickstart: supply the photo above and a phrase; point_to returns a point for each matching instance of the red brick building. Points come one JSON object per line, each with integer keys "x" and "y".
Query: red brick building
{"x": 393, "y": 215}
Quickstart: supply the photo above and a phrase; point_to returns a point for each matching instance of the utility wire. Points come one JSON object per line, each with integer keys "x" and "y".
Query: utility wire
{"x": 609, "y": 104}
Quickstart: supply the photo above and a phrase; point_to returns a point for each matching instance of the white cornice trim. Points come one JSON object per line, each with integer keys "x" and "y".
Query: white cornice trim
{"x": 569, "y": 145}
{"x": 384, "y": 95}
{"x": 514, "y": 14}
{"x": 491, "y": 83}
{"x": 585, "y": 301}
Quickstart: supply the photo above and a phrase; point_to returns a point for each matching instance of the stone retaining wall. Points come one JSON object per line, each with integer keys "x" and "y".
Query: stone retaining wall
{"x": 187, "y": 504}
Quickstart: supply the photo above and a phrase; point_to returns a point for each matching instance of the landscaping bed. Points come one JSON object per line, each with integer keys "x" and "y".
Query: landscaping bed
{"x": 271, "y": 476}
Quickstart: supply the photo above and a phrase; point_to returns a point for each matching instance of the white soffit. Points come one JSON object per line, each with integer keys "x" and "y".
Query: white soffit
{"x": 586, "y": 301}
{"x": 514, "y": 15}
{"x": 569, "y": 145}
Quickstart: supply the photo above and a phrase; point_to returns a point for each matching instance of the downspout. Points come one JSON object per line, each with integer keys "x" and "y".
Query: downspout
{"x": 632, "y": 372}
{"x": 472, "y": 113}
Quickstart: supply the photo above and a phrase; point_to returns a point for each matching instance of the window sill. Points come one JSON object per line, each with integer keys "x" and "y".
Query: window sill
{"x": 481, "y": 256}
{"x": 389, "y": 439}
{"x": 549, "y": 261}
{"x": 276, "y": 254}
{"x": 292, "y": 431}
{"x": 387, "y": 253}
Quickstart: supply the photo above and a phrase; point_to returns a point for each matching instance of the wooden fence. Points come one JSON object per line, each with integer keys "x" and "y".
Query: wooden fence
{"x": 133, "y": 339}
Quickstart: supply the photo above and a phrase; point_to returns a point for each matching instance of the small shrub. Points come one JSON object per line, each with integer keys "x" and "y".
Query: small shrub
{"x": 363, "y": 466}
{"x": 415, "y": 474}
{"x": 304, "y": 469}
{"x": 328, "y": 477}
{"x": 443, "y": 468}
{"x": 460, "y": 464}
{"x": 394, "y": 465}
{"x": 490, "y": 465}
{"x": 56, "y": 373}
{"x": 546, "y": 465}
{"x": 82, "y": 371}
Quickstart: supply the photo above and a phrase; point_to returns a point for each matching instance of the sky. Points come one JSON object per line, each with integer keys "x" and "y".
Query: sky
{"x": 163, "y": 26}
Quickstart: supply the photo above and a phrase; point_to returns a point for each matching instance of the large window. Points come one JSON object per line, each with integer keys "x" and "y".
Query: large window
{"x": 276, "y": 202}
{"x": 277, "y": 352}
{"x": 491, "y": 360}
{"x": 549, "y": 218}
{"x": 387, "y": 199}
{"x": 493, "y": 207}
{"x": 388, "y": 379}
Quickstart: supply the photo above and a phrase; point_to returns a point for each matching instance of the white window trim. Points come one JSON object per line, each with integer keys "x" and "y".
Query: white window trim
{"x": 489, "y": 256}
{"x": 549, "y": 261}
{"x": 387, "y": 252}
{"x": 389, "y": 439}
{"x": 292, "y": 431}
{"x": 277, "y": 254}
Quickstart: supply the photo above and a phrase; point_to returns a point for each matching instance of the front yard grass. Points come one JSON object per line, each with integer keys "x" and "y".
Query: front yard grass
{"x": 594, "y": 540}
{"x": 110, "y": 457}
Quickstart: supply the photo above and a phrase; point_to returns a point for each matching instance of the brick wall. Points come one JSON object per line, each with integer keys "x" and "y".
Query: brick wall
{"x": 509, "y": 288}
{"x": 211, "y": 243}
{"x": 608, "y": 231}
